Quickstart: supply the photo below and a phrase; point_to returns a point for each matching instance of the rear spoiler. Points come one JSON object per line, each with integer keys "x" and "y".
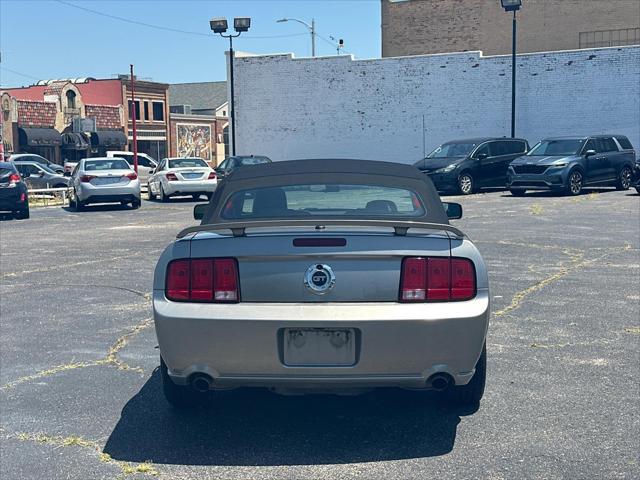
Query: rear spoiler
{"x": 399, "y": 227}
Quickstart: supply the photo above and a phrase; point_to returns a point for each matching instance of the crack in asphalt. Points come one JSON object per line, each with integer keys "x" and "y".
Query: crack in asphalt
{"x": 127, "y": 468}
{"x": 145, "y": 295}
{"x": 111, "y": 358}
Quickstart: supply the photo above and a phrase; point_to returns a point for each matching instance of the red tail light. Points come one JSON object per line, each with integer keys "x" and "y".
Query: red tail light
{"x": 203, "y": 280}
{"x": 437, "y": 279}
{"x": 132, "y": 176}
{"x": 178, "y": 280}
{"x": 14, "y": 178}
{"x": 172, "y": 177}
{"x": 212, "y": 175}
{"x": 87, "y": 178}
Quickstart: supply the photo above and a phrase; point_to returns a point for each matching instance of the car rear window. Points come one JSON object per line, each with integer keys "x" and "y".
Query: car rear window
{"x": 187, "y": 162}
{"x": 111, "y": 164}
{"x": 244, "y": 161}
{"x": 323, "y": 200}
{"x": 624, "y": 143}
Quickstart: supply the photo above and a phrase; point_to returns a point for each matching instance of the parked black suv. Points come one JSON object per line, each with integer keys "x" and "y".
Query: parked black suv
{"x": 465, "y": 166}
{"x": 231, "y": 163}
{"x": 13, "y": 191}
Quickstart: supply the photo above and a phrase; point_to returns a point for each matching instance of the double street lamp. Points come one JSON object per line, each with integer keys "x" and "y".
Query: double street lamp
{"x": 219, "y": 26}
{"x": 311, "y": 28}
{"x": 513, "y": 6}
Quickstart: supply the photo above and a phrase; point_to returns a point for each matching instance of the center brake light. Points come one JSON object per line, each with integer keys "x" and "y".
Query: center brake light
{"x": 433, "y": 279}
{"x": 213, "y": 280}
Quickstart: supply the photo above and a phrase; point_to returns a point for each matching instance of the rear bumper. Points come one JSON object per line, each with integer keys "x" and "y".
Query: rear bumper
{"x": 398, "y": 345}
{"x": 100, "y": 194}
{"x": 175, "y": 188}
{"x": 10, "y": 198}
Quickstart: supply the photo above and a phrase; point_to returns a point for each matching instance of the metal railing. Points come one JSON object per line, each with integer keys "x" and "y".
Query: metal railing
{"x": 45, "y": 197}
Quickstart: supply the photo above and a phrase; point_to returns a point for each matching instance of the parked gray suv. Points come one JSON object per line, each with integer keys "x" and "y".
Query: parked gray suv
{"x": 567, "y": 164}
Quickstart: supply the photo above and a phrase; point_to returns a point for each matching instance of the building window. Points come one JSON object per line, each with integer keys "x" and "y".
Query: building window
{"x": 146, "y": 111}
{"x": 610, "y": 38}
{"x": 137, "y": 110}
{"x": 71, "y": 99}
{"x": 158, "y": 111}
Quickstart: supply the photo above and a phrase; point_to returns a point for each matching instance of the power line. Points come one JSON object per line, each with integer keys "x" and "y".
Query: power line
{"x": 162, "y": 27}
{"x": 19, "y": 73}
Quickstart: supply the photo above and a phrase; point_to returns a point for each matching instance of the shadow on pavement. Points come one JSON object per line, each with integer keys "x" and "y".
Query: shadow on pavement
{"x": 555, "y": 194}
{"x": 255, "y": 427}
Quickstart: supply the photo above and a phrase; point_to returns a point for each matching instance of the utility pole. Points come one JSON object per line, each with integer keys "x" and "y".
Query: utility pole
{"x": 313, "y": 37}
{"x": 134, "y": 114}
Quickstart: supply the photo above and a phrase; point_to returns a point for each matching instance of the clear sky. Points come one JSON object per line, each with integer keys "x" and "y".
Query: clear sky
{"x": 45, "y": 39}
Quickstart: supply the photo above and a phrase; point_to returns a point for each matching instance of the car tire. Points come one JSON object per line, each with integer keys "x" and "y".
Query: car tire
{"x": 575, "y": 181}
{"x": 77, "y": 205}
{"x": 152, "y": 196}
{"x": 163, "y": 197}
{"x": 469, "y": 395}
{"x": 136, "y": 204}
{"x": 517, "y": 192}
{"x": 466, "y": 184}
{"x": 624, "y": 179}
{"x": 180, "y": 396}
{"x": 21, "y": 214}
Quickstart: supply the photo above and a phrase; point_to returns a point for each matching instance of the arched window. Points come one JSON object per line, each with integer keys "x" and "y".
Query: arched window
{"x": 71, "y": 99}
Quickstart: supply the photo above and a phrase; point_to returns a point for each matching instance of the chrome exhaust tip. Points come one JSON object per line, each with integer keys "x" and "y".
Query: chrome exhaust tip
{"x": 440, "y": 381}
{"x": 201, "y": 382}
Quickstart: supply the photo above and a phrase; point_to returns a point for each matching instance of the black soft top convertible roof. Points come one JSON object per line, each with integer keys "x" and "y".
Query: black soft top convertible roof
{"x": 334, "y": 165}
{"x": 301, "y": 172}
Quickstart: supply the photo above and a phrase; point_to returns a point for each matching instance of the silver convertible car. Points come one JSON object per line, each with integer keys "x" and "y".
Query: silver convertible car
{"x": 322, "y": 276}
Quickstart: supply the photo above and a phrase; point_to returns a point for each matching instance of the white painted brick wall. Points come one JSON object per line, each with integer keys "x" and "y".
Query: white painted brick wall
{"x": 336, "y": 107}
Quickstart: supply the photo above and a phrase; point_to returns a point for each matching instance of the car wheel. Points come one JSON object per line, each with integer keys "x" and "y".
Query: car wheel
{"x": 152, "y": 196}
{"x": 469, "y": 395}
{"x": 78, "y": 206}
{"x": 22, "y": 214}
{"x": 574, "y": 182}
{"x": 465, "y": 183}
{"x": 180, "y": 396}
{"x": 517, "y": 192}
{"x": 136, "y": 204}
{"x": 163, "y": 197}
{"x": 624, "y": 179}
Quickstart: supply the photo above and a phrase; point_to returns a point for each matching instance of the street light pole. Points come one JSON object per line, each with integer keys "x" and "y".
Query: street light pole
{"x": 219, "y": 26}
{"x": 513, "y": 77}
{"x": 311, "y": 28}
{"x": 232, "y": 107}
{"x": 512, "y": 6}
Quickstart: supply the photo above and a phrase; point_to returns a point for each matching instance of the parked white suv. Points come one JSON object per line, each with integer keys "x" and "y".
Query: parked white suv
{"x": 146, "y": 164}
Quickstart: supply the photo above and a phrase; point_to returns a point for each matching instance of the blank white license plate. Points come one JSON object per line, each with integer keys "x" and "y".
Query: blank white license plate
{"x": 191, "y": 176}
{"x": 319, "y": 347}
{"x": 107, "y": 181}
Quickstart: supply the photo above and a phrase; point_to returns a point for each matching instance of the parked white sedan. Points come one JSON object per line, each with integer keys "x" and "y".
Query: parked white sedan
{"x": 182, "y": 176}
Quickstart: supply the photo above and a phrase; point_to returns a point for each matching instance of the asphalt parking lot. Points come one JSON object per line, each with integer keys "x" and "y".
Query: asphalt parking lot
{"x": 80, "y": 394}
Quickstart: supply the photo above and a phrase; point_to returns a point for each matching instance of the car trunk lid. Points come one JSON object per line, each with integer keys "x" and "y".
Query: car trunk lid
{"x": 336, "y": 265}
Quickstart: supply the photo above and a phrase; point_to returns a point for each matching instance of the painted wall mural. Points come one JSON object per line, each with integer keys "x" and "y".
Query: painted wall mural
{"x": 194, "y": 140}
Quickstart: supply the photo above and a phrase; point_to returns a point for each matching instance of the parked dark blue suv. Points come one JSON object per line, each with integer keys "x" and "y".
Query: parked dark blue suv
{"x": 567, "y": 164}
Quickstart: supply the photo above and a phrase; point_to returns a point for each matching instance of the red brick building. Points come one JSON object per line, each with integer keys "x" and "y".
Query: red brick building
{"x": 39, "y": 118}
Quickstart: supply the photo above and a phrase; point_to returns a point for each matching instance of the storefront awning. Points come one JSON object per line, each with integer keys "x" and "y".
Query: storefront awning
{"x": 74, "y": 141}
{"x": 39, "y": 137}
{"x": 108, "y": 138}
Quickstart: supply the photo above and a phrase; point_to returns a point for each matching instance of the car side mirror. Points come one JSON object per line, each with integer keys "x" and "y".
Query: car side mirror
{"x": 589, "y": 153}
{"x": 454, "y": 210}
{"x": 199, "y": 211}
{"x": 481, "y": 156}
